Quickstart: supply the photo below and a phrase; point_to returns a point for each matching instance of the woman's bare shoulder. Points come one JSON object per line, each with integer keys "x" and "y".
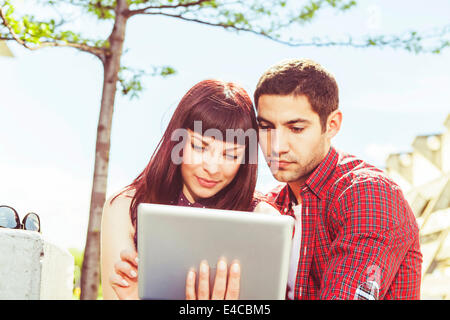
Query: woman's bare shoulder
{"x": 116, "y": 215}
{"x": 119, "y": 201}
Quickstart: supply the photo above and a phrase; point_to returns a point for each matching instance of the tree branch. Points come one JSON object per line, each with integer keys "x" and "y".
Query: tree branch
{"x": 179, "y": 5}
{"x": 91, "y": 4}
{"x": 6, "y": 38}
{"x": 259, "y": 33}
{"x": 410, "y": 44}
{"x": 99, "y": 52}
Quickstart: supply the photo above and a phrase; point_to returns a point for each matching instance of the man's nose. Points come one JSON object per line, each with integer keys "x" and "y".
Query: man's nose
{"x": 278, "y": 143}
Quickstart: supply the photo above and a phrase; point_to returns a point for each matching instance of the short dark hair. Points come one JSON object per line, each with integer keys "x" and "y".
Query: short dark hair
{"x": 301, "y": 77}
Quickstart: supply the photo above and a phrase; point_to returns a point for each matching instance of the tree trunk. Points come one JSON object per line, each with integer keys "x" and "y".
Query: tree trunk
{"x": 90, "y": 275}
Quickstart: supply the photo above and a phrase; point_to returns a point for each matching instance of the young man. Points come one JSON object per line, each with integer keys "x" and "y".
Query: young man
{"x": 355, "y": 235}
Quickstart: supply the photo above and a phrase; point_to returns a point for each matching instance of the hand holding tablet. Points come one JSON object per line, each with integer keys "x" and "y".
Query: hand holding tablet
{"x": 172, "y": 240}
{"x": 226, "y": 284}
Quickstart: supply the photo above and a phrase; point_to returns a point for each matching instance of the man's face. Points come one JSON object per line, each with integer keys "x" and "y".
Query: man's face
{"x": 291, "y": 136}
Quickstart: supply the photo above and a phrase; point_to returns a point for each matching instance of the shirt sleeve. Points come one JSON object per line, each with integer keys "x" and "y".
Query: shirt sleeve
{"x": 374, "y": 228}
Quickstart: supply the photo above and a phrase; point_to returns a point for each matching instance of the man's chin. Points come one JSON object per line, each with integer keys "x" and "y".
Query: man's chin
{"x": 283, "y": 176}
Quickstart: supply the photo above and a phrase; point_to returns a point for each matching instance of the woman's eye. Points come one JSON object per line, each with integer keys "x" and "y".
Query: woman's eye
{"x": 196, "y": 147}
{"x": 231, "y": 156}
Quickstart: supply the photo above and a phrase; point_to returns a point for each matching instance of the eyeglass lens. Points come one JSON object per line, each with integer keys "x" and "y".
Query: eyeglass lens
{"x": 7, "y": 218}
{"x": 31, "y": 222}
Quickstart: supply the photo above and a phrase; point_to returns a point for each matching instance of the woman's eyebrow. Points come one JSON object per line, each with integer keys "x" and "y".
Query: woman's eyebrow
{"x": 234, "y": 148}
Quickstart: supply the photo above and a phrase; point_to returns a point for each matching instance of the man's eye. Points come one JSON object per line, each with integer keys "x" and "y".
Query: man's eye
{"x": 264, "y": 127}
{"x": 296, "y": 129}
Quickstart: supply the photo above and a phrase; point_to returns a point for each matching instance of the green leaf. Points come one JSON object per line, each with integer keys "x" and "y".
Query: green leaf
{"x": 130, "y": 80}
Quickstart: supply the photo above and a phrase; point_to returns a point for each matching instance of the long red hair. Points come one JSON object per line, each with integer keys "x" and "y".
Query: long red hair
{"x": 218, "y": 105}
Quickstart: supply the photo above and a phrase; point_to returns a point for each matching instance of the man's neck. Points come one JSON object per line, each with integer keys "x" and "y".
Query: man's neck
{"x": 296, "y": 187}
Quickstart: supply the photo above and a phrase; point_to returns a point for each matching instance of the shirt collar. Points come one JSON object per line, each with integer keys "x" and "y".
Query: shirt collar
{"x": 317, "y": 180}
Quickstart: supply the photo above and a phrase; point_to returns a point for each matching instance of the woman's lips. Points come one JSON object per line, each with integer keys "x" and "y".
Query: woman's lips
{"x": 207, "y": 183}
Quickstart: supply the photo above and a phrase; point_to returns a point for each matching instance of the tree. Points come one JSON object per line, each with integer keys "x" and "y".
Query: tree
{"x": 269, "y": 19}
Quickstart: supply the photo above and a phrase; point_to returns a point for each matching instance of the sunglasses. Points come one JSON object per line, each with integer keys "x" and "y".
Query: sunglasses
{"x": 9, "y": 218}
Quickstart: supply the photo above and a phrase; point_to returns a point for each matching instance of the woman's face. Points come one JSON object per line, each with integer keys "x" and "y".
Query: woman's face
{"x": 209, "y": 165}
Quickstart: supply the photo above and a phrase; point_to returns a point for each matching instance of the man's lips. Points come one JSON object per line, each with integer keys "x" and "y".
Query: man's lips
{"x": 280, "y": 163}
{"x": 206, "y": 183}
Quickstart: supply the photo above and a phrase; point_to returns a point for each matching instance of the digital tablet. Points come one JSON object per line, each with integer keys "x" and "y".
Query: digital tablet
{"x": 173, "y": 239}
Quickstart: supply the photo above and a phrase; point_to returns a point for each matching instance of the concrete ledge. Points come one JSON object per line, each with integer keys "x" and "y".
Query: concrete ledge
{"x": 31, "y": 268}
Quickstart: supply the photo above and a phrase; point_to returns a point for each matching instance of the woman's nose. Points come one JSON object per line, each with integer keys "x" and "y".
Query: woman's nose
{"x": 211, "y": 163}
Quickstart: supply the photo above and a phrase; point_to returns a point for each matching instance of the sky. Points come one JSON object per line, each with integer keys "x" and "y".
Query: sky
{"x": 50, "y": 99}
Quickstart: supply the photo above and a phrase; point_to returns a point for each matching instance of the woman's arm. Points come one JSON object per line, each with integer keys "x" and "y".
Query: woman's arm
{"x": 116, "y": 238}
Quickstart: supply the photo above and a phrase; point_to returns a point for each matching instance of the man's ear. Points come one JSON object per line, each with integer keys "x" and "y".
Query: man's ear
{"x": 334, "y": 123}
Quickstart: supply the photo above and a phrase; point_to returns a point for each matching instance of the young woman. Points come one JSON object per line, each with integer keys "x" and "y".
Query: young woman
{"x": 195, "y": 164}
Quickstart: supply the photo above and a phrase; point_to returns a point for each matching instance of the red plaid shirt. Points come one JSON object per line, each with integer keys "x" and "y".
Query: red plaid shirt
{"x": 357, "y": 227}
